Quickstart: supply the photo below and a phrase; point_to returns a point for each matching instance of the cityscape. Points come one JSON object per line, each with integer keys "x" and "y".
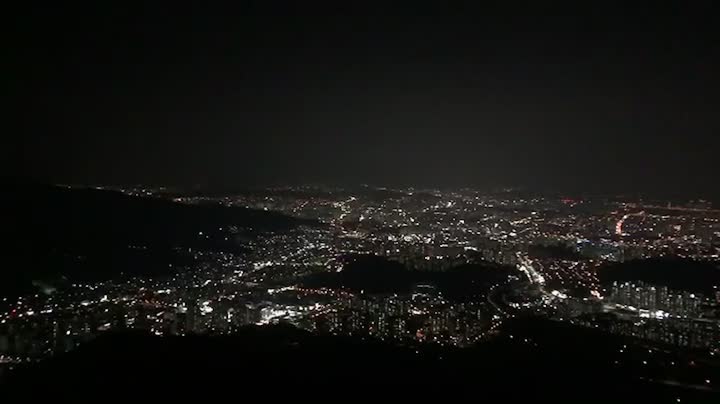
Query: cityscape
{"x": 293, "y": 201}
{"x": 410, "y": 267}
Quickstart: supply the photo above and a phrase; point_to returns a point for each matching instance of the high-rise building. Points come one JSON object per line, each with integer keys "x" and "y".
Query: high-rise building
{"x": 663, "y": 298}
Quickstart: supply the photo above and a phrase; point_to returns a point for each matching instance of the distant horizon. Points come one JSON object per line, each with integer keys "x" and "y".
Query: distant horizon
{"x": 673, "y": 198}
{"x": 594, "y": 99}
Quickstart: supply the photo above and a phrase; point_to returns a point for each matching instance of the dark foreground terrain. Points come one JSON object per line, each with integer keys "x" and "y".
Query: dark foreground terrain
{"x": 542, "y": 361}
{"x": 374, "y": 274}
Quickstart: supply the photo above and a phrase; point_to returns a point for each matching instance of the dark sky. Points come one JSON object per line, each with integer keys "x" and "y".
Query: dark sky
{"x": 593, "y": 99}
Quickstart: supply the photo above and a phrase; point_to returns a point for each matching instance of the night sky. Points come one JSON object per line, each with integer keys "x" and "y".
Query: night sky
{"x": 606, "y": 99}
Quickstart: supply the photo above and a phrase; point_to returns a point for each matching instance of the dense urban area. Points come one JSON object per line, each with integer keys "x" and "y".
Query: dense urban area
{"x": 410, "y": 267}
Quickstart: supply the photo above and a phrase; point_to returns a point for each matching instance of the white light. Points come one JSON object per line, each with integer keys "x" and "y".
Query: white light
{"x": 205, "y": 308}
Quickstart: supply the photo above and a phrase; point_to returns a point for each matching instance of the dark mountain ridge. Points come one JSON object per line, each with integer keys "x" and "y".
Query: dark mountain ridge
{"x": 90, "y": 234}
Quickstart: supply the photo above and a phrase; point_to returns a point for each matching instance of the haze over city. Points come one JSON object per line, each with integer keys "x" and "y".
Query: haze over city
{"x": 580, "y": 98}
{"x": 464, "y": 200}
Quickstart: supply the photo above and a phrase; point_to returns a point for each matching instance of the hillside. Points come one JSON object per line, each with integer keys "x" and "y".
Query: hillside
{"x": 281, "y": 361}
{"x": 89, "y": 234}
{"x": 373, "y": 274}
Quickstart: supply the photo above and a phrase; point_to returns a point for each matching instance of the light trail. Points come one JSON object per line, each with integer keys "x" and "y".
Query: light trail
{"x": 619, "y": 225}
